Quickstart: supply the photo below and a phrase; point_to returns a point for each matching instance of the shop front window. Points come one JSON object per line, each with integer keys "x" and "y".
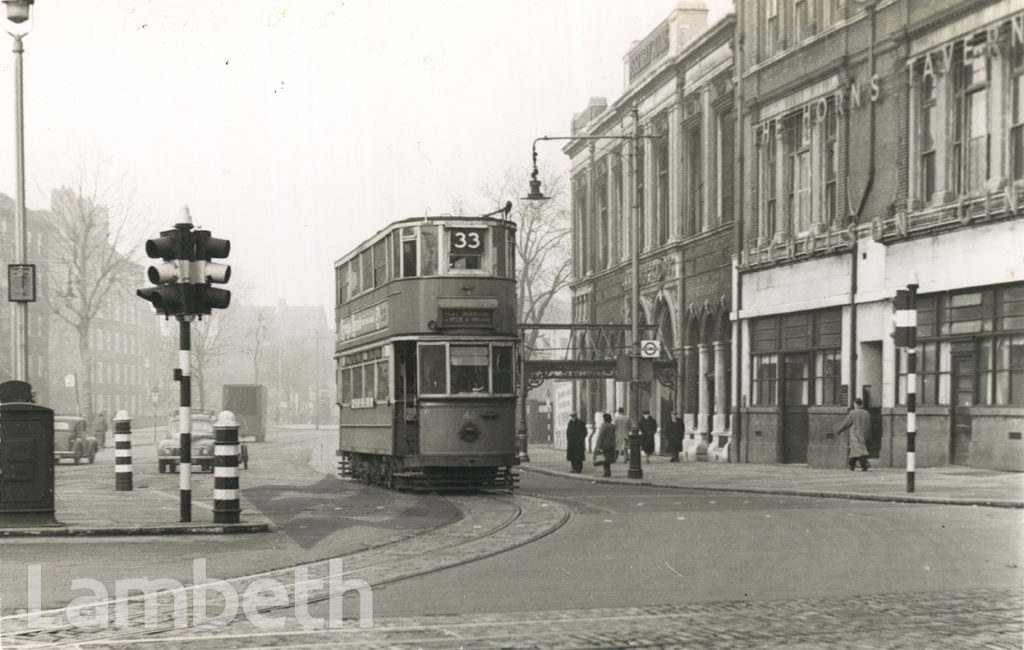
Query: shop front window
{"x": 765, "y": 380}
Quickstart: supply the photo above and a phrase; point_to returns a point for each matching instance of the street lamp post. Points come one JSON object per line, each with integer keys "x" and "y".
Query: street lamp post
{"x": 18, "y": 14}
{"x": 635, "y": 467}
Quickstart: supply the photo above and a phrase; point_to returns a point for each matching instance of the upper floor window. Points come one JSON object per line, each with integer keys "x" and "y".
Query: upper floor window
{"x": 970, "y": 123}
{"x": 928, "y": 136}
{"x": 1017, "y": 112}
{"x": 798, "y": 174}
{"x": 799, "y": 170}
{"x": 604, "y": 235}
{"x": 661, "y": 193}
{"x": 769, "y": 166}
{"x": 967, "y": 113}
{"x": 726, "y": 165}
{"x": 830, "y": 165}
{"x": 800, "y": 20}
{"x": 771, "y": 28}
{"x": 694, "y": 204}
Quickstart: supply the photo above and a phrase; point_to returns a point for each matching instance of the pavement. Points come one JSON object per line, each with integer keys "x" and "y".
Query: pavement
{"x": 951, "y": 485}
{"x": 87, "y": 504}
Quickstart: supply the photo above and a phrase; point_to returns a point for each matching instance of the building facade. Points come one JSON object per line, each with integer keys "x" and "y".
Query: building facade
{"x": 882, "y": 147}
{"x": 802, "y": 161}
{"x": 120, "y": 340}
{"x": 677, "y": 177}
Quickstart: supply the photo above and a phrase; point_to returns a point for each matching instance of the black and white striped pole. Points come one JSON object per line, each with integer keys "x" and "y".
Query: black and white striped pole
{"x": 183, "y": 374}
{"x": 906, "y": 337}
{"x": 226, "y": 509}
{"x": 122, "y": 451}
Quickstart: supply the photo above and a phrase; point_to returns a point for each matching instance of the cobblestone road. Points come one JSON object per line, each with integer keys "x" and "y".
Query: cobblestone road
{"x": 988, "y": 619}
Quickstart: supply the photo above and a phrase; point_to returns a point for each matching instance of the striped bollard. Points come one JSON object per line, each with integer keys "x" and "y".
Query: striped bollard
{"x": 226, "y": 509}
{"x": 906, "y": 337}
{"x": 122, "y": 451}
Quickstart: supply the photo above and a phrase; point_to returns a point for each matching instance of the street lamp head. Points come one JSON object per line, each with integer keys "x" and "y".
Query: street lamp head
{"x": 18, "y": 11}
{"x": 535, "y": 194}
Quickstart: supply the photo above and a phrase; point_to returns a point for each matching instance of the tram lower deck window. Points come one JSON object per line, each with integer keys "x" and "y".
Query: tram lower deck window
{"x": 501, "y": 356}
{"x": 469, "y": 369}
{"x": 432, "y": 370}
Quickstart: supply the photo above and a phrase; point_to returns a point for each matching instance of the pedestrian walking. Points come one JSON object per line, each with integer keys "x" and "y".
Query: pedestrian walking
{"x": 576, "y": 443}
{"x": 674, "y": 432}
{"x": 605, "y": 444}
{"x": 858, "y": 421}
{"x": 99, "y": 429}
{"x": 622, "y": 432}
{"x": 648, "y": 427}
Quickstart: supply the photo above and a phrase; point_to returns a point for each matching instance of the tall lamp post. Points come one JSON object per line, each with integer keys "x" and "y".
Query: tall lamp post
{"x": 535, "y": 194}
{"x": 21, "y": 276}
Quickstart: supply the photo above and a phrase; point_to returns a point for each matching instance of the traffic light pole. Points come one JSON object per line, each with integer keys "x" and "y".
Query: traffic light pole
{"x": 183, "y": 290}
{"x": 183, "y": 374}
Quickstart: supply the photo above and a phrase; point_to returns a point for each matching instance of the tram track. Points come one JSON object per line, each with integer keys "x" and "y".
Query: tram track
{"x": 449, "y": 546}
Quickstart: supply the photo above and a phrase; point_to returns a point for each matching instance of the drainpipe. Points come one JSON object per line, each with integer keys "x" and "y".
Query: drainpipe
{"x": 737, "y": 227}
{"x": 854, "y": 356}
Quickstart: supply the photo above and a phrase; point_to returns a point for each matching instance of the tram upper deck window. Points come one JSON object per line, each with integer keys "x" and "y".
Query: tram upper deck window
{"x": 409, "y": 252}
{"x": 470, "y": 369}
{"x": 428, "y": 252}
{"x": 466, "y": 248}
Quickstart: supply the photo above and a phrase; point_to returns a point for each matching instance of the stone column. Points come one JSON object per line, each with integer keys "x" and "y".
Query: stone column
{"x": 721, "y": 388}
{"x": 704, "y": 396}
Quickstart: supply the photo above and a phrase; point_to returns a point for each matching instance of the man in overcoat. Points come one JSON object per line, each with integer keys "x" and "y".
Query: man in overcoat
{"x": 858, "y": 421}
{"x": 648, "y": 427}
{"x": 576, "y": 443}
{"x": 605, "y": 442}
{"x": 674, "y": 432}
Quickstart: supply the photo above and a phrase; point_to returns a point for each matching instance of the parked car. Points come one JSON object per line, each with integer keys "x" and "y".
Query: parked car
{"x": 72, "y": 439}
{"x": 169, "y": 449}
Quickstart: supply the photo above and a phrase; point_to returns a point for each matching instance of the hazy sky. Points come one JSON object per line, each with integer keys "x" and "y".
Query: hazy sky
{"x": 297, "y": 129}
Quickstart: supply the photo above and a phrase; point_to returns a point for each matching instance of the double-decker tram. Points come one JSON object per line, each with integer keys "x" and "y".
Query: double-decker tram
{"x": 426, "y": 354}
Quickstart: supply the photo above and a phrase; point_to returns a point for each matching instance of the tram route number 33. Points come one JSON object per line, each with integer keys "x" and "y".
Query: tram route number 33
{"x": 466, "y": 240}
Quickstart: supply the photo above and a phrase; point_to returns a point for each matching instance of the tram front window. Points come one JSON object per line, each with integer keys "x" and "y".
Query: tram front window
{"x": 432, "y": 370}
{"x": 469, "y": 369}
{"x": 502, "y": 356}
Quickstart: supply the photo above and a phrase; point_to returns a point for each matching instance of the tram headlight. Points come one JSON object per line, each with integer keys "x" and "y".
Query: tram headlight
{"x": 469, "y": 432}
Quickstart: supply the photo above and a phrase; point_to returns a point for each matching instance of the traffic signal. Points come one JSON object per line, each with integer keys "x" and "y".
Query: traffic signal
{"x": 169, "y": 297}
{"x": 207, "y": 248}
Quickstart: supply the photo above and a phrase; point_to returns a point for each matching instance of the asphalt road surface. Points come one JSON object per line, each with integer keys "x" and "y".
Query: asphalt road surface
{"x": 632, "y": 566}
{"x": 643, "y": 546}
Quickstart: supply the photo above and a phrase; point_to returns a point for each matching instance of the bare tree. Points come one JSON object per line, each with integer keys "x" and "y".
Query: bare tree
{"x": 211, "y": 339}
{"x": 544, "y": 267}
{"x": 88, "y": 240}
{"x": 257, "y": 341}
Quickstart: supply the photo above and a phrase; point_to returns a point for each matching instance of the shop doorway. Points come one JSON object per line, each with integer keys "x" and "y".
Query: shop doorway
{"x": 795, "y": 395}
{"x": 964, "y": 366}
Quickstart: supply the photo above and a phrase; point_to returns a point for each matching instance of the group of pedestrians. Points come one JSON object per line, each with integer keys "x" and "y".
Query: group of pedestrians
{"x": 613, "y": 433}
{"x": 613, "y": 439}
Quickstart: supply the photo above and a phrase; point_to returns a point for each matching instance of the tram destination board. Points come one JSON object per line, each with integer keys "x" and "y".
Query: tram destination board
{"x": 462, "y": 317}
